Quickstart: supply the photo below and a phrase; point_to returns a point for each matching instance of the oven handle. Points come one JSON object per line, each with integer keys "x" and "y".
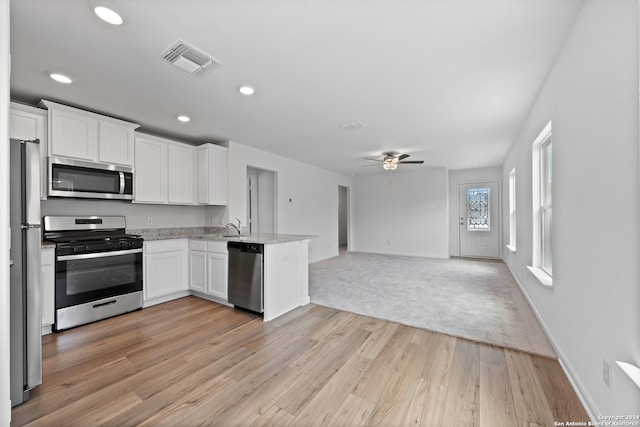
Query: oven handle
{"x": 98, "y": 255}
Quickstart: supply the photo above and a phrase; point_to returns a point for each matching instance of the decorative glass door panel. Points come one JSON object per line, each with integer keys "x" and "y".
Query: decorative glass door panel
{"x": 479, "y": 209}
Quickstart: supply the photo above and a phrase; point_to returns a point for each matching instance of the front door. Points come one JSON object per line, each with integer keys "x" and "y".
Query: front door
{"x": 479, "y": 219}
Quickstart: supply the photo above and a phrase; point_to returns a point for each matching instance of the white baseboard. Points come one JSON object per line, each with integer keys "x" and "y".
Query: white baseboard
{"x": 411, "y": 254}
{"x": 164, "y": 298}
{"x": 577, "y": 385}
{"x": 210, "y": 298}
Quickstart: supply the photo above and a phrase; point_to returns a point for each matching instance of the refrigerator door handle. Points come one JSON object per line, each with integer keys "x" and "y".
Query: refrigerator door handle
{"x": 29, "y": 226}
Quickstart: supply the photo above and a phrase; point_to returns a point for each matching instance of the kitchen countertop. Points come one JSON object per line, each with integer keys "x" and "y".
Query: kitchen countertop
{"x": 203, "y": 233}
{"x": 215, "y": 235}
{"x": 264, "y": 238}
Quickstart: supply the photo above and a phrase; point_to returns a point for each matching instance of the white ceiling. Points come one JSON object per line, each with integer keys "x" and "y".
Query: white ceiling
{"x": 447, "y": 81}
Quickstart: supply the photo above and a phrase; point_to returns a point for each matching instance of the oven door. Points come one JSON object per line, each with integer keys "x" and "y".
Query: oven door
{"x": 90, "y": 277}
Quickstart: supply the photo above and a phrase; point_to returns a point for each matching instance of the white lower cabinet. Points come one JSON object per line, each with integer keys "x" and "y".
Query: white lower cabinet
{"x": 208, "y": 268}
{"x": 217, "y": 274}
{"x": 166, "y": 269}
{"x": 197, "y": 270}
{"x": 48, "y": 287}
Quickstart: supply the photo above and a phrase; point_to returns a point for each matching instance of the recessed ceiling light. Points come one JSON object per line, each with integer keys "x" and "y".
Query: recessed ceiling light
{"x": 184, "y": 118}
{"x": 61, "y": 78}
{"x": 108, "y": 15}
{"x": 246, "y": 90}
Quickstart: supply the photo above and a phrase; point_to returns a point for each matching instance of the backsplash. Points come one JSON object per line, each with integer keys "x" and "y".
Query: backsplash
{"x": 139, "y": 216}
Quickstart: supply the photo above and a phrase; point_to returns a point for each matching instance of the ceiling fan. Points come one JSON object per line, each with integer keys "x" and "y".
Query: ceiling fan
{"x": 391, "y": 161}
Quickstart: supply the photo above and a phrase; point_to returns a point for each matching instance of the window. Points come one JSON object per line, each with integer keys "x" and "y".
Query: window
{"x": 478, "y": 209}
{"x": 512, "y": 210}
{"x": 542, "y": 184}
{"x": 545, "y": 204}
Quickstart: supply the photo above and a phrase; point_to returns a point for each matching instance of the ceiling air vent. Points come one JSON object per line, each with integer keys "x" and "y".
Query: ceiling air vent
{"x": 188, "y": 58}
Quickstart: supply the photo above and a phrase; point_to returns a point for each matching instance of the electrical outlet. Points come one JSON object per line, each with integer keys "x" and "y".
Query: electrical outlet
{"x": 606, "y": 373}
{"x": 149, "y": 220}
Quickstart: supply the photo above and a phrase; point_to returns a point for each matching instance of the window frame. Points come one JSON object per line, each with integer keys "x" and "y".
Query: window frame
{"x": 546, "y": 204}
{"x": 512, "y": 211}
{"x": 542, "y": 188}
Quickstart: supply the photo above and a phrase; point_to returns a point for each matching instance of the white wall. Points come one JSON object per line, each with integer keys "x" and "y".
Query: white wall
{"x": 465, "y": 176}
{"x": 307, "y": 196}
{"x": 162, "y": 216}
{"x": 401, "y": 213}
{"x": 5, "y": 403}
{"x": 266, "y": 201}
{"x": 592, "y": 313}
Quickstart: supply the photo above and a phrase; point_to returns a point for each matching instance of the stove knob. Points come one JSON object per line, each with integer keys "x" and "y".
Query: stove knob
{"x": 79, "y": 248}
{"x": 125, "y": 245}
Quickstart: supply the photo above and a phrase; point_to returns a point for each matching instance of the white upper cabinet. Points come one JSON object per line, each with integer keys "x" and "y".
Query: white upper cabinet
{"x": 182, "y": 169}
{"x": 73, "y": 135}
{"x": 151, "y": 174}
{"x": 80, "y": 134}
{"x": 115, "y": 142}
{"x": 212, "y": 174}
{"x": 165, "y": 171}
{"x": 29, "y": 123}
{"x": 171, "y": 172}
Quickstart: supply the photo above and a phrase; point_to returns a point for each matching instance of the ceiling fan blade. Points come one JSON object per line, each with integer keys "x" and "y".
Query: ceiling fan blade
{"x": 375, "y": 160}
{"x": 403, "y": 156}
{"x": 415, "y": 162}
{"x": 374, "y": 164}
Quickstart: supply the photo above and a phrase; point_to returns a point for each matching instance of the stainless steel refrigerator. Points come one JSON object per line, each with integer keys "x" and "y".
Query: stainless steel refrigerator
{"x": 25, "y": 290}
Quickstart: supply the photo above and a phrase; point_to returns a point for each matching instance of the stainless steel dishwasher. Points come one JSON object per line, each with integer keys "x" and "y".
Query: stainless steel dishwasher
{"x": 246, "y": 275}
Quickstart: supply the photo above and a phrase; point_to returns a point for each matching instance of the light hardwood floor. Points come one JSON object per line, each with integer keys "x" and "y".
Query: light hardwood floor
{"x": 193, "y": 362}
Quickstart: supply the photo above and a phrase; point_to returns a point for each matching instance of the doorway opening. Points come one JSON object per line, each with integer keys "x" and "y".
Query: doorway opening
{"x": 343, "y": 219}
{"x": 261, "y": 201}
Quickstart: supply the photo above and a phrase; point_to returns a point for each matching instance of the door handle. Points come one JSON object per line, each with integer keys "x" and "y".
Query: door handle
{"x": 104, "y": 303}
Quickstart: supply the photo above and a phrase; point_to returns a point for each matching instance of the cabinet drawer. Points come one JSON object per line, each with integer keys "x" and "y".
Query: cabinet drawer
{"x": 213, "y": 246}
{"x": 161, "y": 246}
{"x": 198, "y": 245}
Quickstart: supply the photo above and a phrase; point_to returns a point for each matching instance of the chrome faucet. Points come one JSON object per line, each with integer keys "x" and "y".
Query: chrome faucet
{"x": 238, "y": 227}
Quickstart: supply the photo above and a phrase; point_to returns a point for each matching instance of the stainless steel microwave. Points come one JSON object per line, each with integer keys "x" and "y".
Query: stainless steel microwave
{"x": 75, "y": 178}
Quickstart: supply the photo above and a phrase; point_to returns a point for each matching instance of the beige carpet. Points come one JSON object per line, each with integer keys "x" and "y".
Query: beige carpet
{"x": 477, "y": 300}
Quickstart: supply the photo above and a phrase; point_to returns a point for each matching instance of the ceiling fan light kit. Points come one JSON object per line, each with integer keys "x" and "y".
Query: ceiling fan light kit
{"x": 389, "y": 165}
{"x": 391, "y": 161}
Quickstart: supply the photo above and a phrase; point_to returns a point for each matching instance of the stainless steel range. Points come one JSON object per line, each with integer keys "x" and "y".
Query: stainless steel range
{"x": 98, "y": 268}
